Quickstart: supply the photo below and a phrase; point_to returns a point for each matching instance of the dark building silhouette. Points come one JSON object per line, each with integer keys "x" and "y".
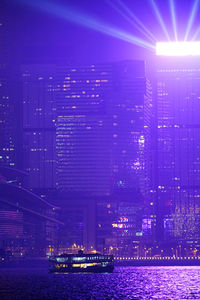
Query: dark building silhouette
{"x": 28, "y": 224}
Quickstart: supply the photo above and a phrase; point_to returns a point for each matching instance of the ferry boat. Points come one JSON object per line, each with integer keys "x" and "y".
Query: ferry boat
{"x": 81, "y": 262}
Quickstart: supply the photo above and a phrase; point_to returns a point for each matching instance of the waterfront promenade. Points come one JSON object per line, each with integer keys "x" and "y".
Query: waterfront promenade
{"x": 158, "y": 261}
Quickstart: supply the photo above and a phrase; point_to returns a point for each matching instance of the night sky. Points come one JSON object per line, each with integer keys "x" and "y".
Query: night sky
{"x": 38, "y": 32}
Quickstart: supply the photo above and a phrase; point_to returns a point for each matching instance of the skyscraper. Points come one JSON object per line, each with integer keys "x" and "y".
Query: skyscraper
{"x": 38, "y": 125}
{"x": 100, "y": 127}
{"x": 177, "y": 162}
{"x": 84, "y": 134}
{"x": 83, "y": 129}
{"x": 7, "y": 101}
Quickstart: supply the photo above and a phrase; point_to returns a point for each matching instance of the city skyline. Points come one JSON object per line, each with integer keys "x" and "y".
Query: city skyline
{"x": 86, "y": 121}
{"x": 99, "y": 149}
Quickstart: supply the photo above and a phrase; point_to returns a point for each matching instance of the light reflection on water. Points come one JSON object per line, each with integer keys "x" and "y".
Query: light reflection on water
{"x": 124, "y": 283}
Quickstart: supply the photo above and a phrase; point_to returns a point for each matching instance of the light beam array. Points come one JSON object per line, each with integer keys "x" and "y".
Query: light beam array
{"x": 76, "y": 16}
{"x": 173, "y": 16}
{"x": 191, "y": 18}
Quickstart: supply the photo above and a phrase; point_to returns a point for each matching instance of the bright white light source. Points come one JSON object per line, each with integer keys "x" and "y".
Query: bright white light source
{"x": 178, "y": 48}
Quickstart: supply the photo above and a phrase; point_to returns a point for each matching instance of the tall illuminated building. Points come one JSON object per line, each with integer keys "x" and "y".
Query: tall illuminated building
{"x": 177, "y": 159}
{"x": 97, "y": 113}
{"x": 100, "y": 127}
{"x": 101, "y": 133}
{"x": 7, "y": 99}
{"x": 84, "y": 133}
{"x": 83, "y": 130}
{"x": 38, "y": 125}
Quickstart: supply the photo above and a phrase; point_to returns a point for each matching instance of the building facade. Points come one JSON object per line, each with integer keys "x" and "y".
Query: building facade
{"x": 38, "y": 126}
{"x": 83, "y": 129}
{"x": 100, "y": 127}
{"x": 8, "y": 124}
{"x": 85, "y": 133}
{"x": 177, "y": 162}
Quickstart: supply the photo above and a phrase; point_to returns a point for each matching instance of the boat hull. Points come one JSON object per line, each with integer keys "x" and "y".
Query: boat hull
{"x": 90, "y": 269}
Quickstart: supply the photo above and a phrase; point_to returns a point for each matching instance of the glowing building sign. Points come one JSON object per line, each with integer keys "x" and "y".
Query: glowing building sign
{"x": 178, "y": 48}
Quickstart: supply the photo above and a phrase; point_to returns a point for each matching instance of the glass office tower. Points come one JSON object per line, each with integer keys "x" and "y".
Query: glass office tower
{"x": 85, "y": 133}
{"x": 38, "y": 125}
{"x": 7, "y": 98}
{"x": 177, "y": 159}
{"x": 100, "y": 127}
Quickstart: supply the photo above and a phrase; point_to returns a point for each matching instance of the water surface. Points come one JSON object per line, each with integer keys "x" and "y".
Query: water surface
{"x": 124, "y": 283}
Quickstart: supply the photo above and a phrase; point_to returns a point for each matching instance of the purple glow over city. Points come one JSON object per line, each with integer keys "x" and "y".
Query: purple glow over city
{"x": 99, "y": 149}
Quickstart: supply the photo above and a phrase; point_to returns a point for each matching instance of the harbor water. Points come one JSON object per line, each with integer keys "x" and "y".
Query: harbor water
{"x": 161, "y": 282}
